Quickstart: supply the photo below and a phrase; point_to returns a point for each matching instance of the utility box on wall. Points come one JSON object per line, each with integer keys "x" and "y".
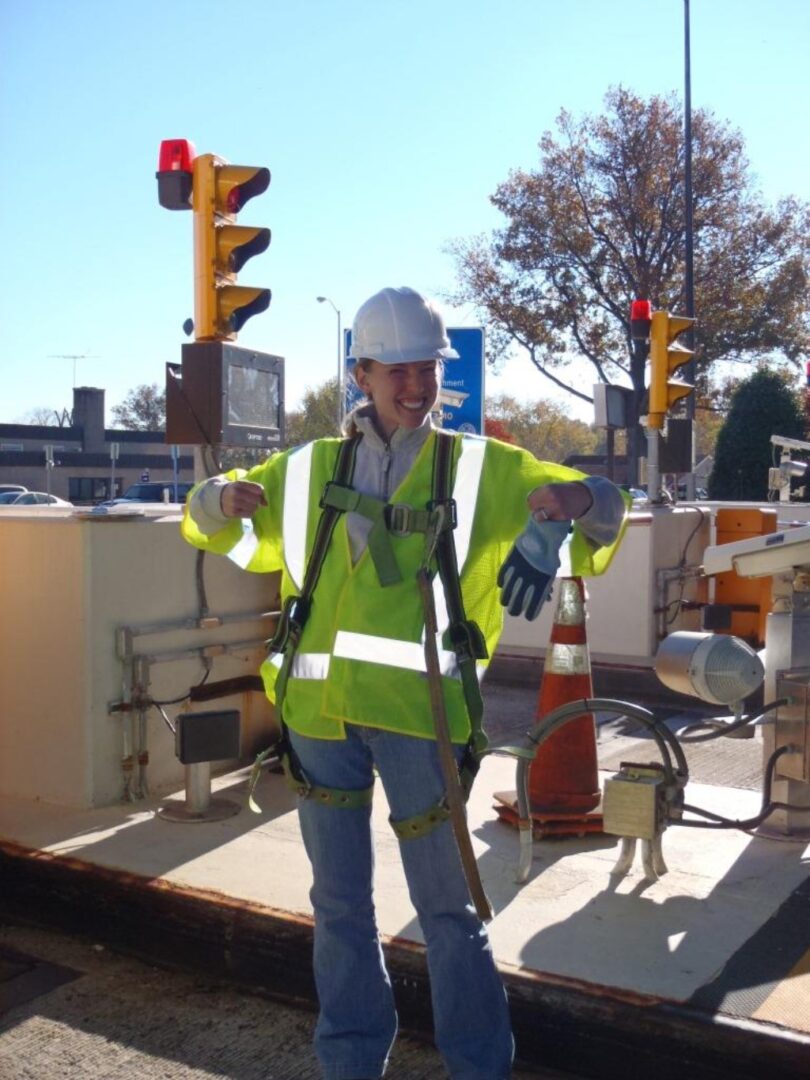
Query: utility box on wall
{"x": 741, "y": 604}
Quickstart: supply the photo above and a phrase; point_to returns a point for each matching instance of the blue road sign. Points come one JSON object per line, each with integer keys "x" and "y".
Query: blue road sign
{"x": 462, "y": 394}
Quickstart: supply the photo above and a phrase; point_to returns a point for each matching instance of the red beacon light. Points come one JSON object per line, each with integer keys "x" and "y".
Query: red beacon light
{"x": 640, "y": 320}
{"x": 175, "y": 175}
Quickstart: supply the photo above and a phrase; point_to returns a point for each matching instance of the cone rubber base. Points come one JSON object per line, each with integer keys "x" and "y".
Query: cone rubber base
{"x": 547, "y": 824}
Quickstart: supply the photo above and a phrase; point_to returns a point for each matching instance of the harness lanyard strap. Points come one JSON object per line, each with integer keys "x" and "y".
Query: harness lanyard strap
{"x": 447, "y": 759}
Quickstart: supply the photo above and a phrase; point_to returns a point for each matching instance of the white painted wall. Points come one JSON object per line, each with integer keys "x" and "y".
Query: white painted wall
{"x": 622, "y": 625}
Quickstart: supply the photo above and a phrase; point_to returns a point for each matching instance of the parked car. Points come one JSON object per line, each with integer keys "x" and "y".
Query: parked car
{"x": 152, "y": 491}
{"x": 31, "y": 498}
{"x": 6, "y": 488}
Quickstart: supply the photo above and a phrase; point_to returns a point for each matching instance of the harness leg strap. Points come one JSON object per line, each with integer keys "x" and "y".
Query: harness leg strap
{"x": 419, "y": 825}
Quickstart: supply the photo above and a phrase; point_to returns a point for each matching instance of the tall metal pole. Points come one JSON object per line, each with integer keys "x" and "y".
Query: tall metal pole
{"x": 326, "y": 300}
{"x": 690, "y": 368}
{"x": 339, "y": 375}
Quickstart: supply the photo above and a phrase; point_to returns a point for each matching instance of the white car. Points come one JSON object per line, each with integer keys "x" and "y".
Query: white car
{"x": 31, "y": 498}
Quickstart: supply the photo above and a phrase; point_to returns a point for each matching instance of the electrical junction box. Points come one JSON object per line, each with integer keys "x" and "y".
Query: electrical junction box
{"x": 633, "y": 801}
{"x": 207, "y": 736}
{"x": 791, "y": 723}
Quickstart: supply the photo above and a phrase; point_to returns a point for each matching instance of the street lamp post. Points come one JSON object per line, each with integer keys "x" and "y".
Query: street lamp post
{"x": 322, "y": 300}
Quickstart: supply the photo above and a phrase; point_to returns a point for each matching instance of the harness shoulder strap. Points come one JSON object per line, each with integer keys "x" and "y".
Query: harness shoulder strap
{"x": 465, "y": 635}
{"x": 287, "y": 637}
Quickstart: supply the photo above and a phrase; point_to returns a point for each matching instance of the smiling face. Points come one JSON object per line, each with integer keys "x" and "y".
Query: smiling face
{"x": 403, "y": 394}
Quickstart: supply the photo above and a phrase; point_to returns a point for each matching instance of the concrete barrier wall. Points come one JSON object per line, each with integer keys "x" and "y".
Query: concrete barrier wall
{"x": 69, "y": 585}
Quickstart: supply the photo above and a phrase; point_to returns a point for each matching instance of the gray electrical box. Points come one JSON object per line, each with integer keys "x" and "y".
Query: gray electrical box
{"x": 792, "y": 722}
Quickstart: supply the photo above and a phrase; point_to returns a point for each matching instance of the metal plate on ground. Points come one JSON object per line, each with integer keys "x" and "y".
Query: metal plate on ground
{"x": 737, "y": 763}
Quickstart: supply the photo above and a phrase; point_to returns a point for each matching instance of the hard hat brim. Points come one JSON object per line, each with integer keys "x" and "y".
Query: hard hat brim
{"x": 404, "y": 356}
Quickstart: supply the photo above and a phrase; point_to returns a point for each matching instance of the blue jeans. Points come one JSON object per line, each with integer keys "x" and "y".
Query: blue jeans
{"x": 358, "y": 1022}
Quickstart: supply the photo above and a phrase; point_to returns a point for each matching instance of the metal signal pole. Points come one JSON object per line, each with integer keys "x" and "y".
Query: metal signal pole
{"x": 689, "y": 370}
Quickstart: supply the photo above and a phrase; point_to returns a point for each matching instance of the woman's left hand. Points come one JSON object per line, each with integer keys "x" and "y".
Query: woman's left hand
{"x": 559, "y": 502}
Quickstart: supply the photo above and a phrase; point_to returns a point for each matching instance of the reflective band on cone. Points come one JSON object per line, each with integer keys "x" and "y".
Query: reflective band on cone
{"x": 564, "y": 777}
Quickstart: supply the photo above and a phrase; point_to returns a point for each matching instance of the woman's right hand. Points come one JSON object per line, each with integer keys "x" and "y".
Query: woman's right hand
{"x": 241, "y": 499}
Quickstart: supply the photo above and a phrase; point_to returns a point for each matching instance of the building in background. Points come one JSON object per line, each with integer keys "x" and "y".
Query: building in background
{"x": 91, "y": 463}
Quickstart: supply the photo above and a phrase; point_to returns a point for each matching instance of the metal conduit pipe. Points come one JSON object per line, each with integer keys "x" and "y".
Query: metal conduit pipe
{"x": 135, "y": 697}
{"x": 126, "y": 634}
{"x": 547, "y": 725}
{"x": 124, "y": 647}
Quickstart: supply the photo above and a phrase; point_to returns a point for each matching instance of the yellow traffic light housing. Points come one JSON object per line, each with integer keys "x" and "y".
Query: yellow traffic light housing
{"x": 666, "y": 356}
{"x": 221, "y": 247}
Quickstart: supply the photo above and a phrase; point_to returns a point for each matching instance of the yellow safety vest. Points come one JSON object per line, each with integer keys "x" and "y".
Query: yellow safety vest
{"x": 361, "y": 655}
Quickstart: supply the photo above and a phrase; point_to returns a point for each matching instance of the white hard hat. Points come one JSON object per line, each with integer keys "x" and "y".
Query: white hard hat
{"x": 399, "y": 326}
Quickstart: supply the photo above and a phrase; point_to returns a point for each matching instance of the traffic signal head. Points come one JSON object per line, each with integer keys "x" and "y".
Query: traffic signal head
{"x": 666, "y": 356}
{"x": 221, "y": 247}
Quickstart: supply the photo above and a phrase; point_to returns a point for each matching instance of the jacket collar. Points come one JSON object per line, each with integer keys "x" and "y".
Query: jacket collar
{"x": 401, "y": 439}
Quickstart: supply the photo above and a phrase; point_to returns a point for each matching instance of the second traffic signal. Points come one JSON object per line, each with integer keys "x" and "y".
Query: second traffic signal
{"x": 666, "y": 356}
{"x": 221, "y": 247}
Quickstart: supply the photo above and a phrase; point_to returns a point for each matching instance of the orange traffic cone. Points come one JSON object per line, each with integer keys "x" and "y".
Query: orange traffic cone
{"x": 563, "y": 777}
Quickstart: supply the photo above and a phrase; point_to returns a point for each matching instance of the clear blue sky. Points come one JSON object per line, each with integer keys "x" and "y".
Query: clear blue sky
{"x": 386, "y": 126}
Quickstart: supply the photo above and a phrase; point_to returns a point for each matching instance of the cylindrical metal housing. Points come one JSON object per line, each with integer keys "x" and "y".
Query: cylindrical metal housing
{"x": 717, "y": 668}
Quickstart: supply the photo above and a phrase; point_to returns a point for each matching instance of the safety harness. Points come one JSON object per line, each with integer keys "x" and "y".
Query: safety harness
{"x": 437, "y": 522}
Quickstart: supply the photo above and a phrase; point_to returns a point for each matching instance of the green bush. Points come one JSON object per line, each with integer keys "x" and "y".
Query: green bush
{"x": 761, "y": 406}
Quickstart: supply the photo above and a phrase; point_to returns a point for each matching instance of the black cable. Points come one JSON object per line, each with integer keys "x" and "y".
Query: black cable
{"x": 202, "y": 598}
{"x": 767, "y": 808}
{"x": 670, "y": 619}
{"x": 187, "y": 695}
{"x": 726, "y": 729}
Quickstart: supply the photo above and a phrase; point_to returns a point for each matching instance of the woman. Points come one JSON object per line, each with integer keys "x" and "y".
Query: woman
{"x": 349, "y": 661}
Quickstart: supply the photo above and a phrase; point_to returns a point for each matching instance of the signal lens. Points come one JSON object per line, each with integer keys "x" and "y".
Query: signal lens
{"x": 176, "y": 155}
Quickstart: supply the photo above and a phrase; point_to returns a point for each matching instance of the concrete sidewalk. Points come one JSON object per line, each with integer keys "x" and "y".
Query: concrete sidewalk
{"x": 705, "y": 969}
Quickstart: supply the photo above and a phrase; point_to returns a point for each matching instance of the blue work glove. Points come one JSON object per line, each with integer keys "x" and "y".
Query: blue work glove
{"x": 526, "y": 577}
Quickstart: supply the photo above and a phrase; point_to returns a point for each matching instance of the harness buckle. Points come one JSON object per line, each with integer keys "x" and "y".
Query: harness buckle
{"x": 467, "y": 641}
{"x": 450, "y": 518}
{"x": 290, "y": 624}
{"x": 398, "y": 518}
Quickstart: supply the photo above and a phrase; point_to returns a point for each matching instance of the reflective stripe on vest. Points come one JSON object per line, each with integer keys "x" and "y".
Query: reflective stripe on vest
{"x": 245, "y": 548}
{"x": 465, "y": 493}
{"x": 296, "y": 513}
{"x": 314, "y": 665}
{"x": 390, "y": 651}
{"x": 370, "y": 648}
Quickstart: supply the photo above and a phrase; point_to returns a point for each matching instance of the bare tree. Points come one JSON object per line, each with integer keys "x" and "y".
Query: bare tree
{"x": 600, "y": 223}
{"x": 143, "y": 409}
